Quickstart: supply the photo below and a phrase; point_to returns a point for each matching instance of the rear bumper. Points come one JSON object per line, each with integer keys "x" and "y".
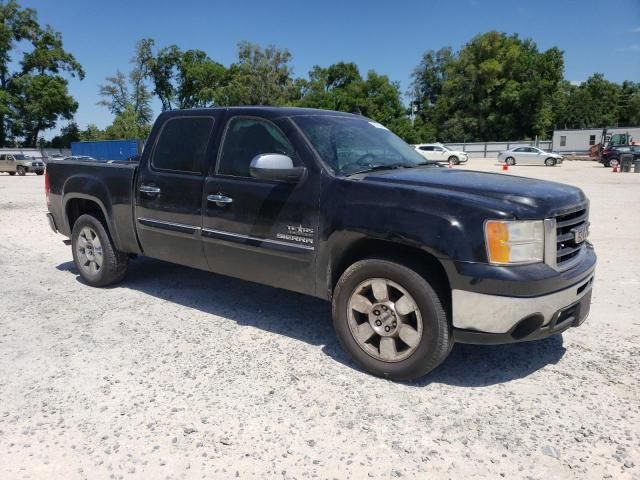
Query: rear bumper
{"x": 492, "y": 319}
{"x": 52, "y": 223}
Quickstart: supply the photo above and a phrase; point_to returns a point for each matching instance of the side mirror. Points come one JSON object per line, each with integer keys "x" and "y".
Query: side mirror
{"x": 274, "y": 166}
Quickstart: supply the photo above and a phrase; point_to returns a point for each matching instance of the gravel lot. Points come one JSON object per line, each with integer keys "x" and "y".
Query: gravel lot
{"x": 178, "y": 373}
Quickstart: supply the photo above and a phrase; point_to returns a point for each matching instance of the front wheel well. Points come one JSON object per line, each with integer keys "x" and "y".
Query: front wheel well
{"x": 422, "y": 262}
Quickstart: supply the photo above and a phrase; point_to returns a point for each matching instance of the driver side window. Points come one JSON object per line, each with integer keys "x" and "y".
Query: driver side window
{"x": 247, "y": 137}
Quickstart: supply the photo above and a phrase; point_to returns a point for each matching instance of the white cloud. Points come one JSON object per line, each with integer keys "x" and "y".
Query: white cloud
{"x": 576, "y": 82}
{"x": 635, "y": 48}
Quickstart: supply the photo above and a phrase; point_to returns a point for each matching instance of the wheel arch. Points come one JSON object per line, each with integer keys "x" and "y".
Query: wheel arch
{"x": 424, "y": 262}
{"x": 87, "y": 194}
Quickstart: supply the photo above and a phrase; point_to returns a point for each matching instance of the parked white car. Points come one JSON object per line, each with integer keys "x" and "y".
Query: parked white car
{"x": 529, "y": 156}
{"x": 441, "y": 153}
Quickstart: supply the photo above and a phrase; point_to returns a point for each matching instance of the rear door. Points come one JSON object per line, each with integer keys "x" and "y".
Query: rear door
{"x": 521, "y": 155}
{"x": 169, "y": 188}
{"x": 261, "y": 230}
{"x": 427, "y": 152}
{"x": 440, "y": 153}
{"x": 3, "y": 163}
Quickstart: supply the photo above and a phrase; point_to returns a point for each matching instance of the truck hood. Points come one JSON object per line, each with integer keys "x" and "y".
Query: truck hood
{"x": 520, "y": 196}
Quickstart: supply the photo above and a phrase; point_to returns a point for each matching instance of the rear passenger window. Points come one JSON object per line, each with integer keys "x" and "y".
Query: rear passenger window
{"x": 248, "y": 137}
{"x": 183, "y": 144}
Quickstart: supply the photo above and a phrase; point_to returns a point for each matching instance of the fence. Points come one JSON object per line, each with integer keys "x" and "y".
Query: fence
{"x": 491, "y": 149}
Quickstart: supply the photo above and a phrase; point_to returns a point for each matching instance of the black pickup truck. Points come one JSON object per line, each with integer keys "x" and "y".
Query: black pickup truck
{"x": 413, "y": 257}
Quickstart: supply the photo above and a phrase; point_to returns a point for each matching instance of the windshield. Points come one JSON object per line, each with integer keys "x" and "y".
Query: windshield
{"x": 350, "y": 145}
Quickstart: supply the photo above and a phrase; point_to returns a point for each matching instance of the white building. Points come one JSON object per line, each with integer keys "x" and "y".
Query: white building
{"x": 581, "y": 140}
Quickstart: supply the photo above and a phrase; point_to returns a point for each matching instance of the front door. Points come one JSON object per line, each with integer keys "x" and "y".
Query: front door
{"x": 440, "y": 153}
{"x": 261, "y": 230}
{"x": 169, "y": 188}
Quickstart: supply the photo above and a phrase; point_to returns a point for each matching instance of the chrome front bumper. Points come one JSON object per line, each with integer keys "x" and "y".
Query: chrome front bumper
{"x": 501, "y": 314}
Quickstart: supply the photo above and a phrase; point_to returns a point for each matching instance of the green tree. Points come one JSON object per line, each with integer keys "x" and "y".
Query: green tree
{"x": 36, "y": 96}
{"x": 596, "y": 102}
{"x": 39, "y": 101}
{"x": 126, "y": 125}
{"x": 199, "y": 80}
{"x": 181, "y": 79}
{"x": 68, "y": 134}
{"x": 259, "y": 77}
{"x": 341, "y": 87}
{"x": 17, "y": 25}
{"x": 92, "y": 132}
{"x": 496, "y": 87}
{"x": 129, "y": 95}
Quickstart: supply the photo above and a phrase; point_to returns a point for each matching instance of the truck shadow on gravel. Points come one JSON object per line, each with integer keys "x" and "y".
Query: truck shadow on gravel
{"x": 309, "y": 320}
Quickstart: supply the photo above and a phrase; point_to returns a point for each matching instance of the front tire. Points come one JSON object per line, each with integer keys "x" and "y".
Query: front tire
{"x": 390, "y": 320}
{"x": 21, "y": 171}
{"x": 12, "y": 173}
{"x": 39, "y": 173}
{"x": 454, "y": 160}
{"x": 510, "y": 161}
{"x": 550, "y": 162}
{"x": 94, "y": 254}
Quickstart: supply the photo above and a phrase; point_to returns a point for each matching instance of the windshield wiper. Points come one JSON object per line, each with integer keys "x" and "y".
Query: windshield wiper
{"x": 374, "y": 168}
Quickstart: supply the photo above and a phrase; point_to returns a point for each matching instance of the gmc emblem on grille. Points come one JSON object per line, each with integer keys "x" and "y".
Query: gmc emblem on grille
{"x": 580, "y": 233}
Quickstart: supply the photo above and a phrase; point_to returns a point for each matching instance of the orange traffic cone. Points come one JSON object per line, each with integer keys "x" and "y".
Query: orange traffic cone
{"x": 505, "y": 167}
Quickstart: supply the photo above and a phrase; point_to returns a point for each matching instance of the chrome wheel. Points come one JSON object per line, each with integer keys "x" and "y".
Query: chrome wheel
{"x": 89, "y": 250}
{"x": 384, "y": 320}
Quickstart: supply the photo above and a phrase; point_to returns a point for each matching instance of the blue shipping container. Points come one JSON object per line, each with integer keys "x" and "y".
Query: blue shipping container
{"x": 106, "y": 149}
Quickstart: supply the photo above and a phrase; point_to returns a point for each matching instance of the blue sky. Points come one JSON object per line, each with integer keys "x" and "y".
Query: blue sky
{"x": 596, "y": 36}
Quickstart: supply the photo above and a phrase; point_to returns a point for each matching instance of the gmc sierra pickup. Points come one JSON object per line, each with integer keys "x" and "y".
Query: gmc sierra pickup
{"x": 413, "y": 257}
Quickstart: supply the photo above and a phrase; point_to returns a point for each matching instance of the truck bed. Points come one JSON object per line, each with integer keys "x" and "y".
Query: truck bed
{"x": 108, "y": 184}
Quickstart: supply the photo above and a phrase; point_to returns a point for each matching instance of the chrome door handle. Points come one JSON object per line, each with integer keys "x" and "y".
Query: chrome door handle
{"x": 219, "y": 199}
{"x": 149, "y": 189}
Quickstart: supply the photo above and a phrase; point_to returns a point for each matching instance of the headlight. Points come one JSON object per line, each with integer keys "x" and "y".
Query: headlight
{"x": 514, "y": 242}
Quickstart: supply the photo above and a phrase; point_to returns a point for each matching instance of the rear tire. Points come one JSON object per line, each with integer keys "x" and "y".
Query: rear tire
{"x": 39, "y": 173}
{"x": 11, "y": 173}
{"x": 418, "y": 334}
{"x": 510, "y": 161}
{"x": 550, "y": 162}
{"x": 97, "y": 260}
{"x": 21, "y": 171}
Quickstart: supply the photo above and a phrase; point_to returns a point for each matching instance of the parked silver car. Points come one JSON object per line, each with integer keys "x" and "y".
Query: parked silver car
{"x": 529, "y": 156}
{"x": 13, "y": 163}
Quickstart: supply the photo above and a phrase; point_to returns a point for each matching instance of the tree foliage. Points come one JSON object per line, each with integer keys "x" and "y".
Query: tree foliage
{"x": 34, "y": 96}
{"x": 129, "y": 99}
{"x": 496, "y": 87}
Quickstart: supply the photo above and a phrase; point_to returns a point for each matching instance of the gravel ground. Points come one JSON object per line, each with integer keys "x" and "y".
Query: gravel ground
{"x": 178, "y": 373}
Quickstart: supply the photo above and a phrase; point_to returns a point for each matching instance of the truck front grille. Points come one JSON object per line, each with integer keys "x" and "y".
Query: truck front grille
{"x": 566, "y": 248}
